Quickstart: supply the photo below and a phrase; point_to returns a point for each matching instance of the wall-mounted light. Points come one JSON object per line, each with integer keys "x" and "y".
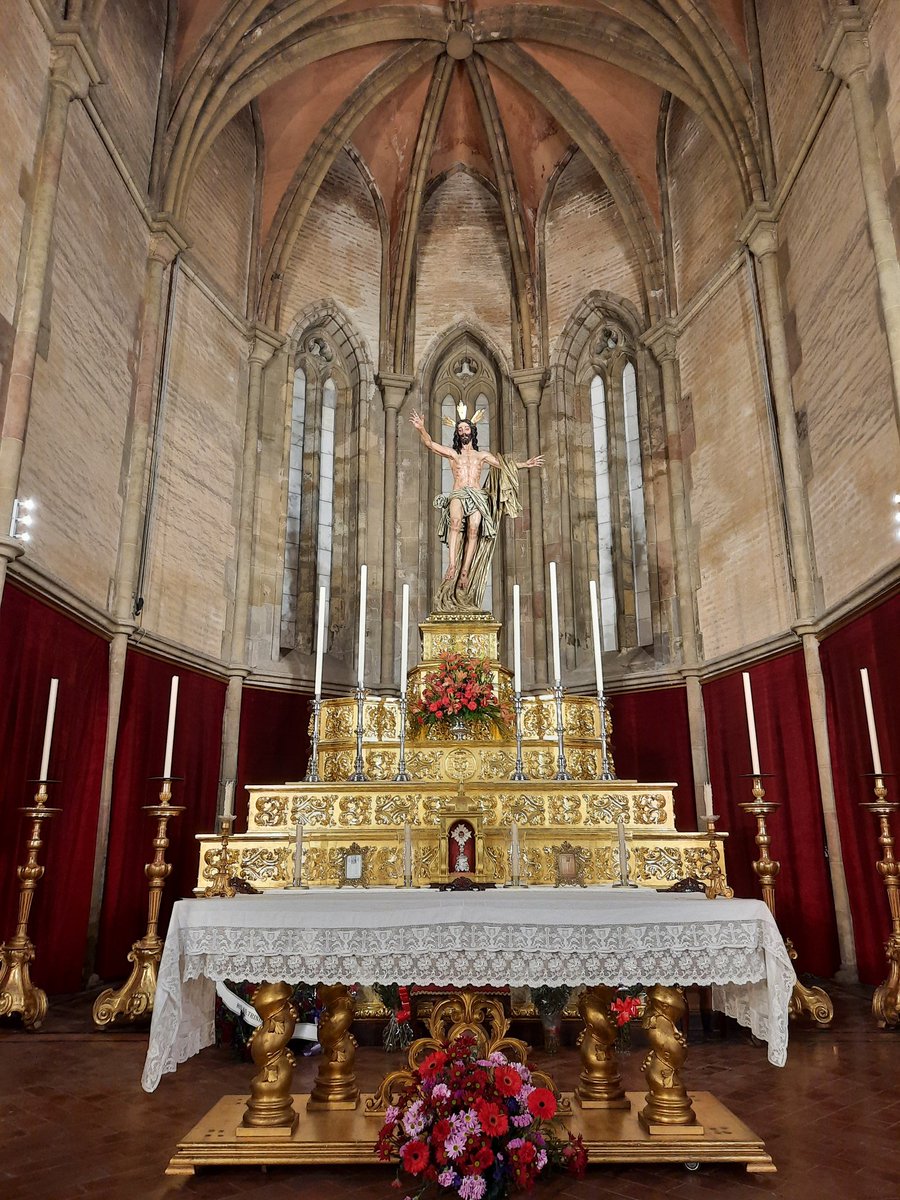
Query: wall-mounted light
{"x": 21, "y": 519}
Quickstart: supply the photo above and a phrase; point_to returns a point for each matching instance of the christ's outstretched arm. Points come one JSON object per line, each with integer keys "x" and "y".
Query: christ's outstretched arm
{"x": 418, "y": 422}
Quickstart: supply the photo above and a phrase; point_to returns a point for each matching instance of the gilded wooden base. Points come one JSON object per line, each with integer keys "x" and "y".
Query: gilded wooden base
{"x": 610, "y": 1136}
{"x": 17, "y": 993}
{"x": 134, "y": 999}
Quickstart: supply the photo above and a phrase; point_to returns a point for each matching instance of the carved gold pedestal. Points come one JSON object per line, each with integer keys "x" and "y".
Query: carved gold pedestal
{"x": 270, "y": 1111}
{"x": 17, "y": 993}
{"x": 135, "y": 997}
{"x": 335, "y": 1086}
{"x": 886, "y": 1001}
{"x": 806, "y": 1003}
{"x": 599, "y": 1084}
{"x": 668, "y": 1103}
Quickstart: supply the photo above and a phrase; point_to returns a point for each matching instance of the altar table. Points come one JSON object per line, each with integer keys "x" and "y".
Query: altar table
{"x": 514, "y": 936}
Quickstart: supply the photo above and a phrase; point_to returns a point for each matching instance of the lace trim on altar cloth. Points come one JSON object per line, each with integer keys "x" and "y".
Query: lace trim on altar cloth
{"x": 744, "y": 961}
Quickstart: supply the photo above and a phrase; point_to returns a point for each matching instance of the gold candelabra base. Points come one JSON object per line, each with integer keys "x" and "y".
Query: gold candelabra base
{"x": 886, "y": 1001}
{"x": 807, "y": 1003}
{"x": 222, "y": 861}
{"x": 716, "y": 885}
{"x": 17, "y": 992}
{"x": 135, "y": 997}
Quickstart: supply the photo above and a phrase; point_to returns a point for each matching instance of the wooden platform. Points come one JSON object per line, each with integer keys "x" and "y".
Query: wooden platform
{"x": 611, "y": 1136}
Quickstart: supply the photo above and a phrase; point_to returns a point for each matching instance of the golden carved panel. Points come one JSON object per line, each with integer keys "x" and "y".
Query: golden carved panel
{"x": 380, "y": 764}
{"x": 434, "y": 807}
{"x": 650, "y": 809}
{"x": 210, "y": 862}
{"x": 381, "y": 720}
{"x": 340, "y": 722}
{"x": 271, "y": 810}
{"x": 540, "y": 764}
{"x": 273, "y": 864}
{"x": 460, "y": 765}
{"x": 337, "y": 766}
{"x": 699, "y": 862}
{"x": 497, "y": 764}
{"x": 658, "y": 862}
{"x": 478, "y": 645}
{"x": 606, "y": 864}
{"x": 426, "y": 864}
{"x": 313, "y": 810}
{"x": 582, "y": 764}
{"x": 527, "y": 810}
{"x": 395, "y": 810}
{"x": 355, "y": 810}
{"x": 565, "y": 810}
{"x": 538, "y": 720}
{"x": 606, "y": 808}
{"x": 578, "y": 720}
{"x": 424, "y": 764}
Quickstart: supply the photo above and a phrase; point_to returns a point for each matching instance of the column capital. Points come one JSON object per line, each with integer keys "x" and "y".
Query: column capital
{"x": 166, "y": 238}
{"x": 759, "y": 230}
{"x": 11, "y": 548}
{"x": 530, "y": 384}
{"x": 394, "y": 389}
{"x": 661, "y": 339}
{"x": 264, "y": 343}
{"x": 72, "y": 64}
{"x": 844, "y": 49}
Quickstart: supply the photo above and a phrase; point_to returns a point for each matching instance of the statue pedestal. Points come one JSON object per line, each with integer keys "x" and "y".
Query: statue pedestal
{"x": 475, "y": 634}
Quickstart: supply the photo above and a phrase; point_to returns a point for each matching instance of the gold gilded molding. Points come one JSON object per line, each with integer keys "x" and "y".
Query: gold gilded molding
{"x": 607, "y": 808}
{"x": 394, "y": 810}
{"x": 650, "y": 809}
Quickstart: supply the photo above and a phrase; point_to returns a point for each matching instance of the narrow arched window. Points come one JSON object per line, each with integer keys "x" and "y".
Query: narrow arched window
{"x": 294, "y": 500}
{"x": 636, "y": 504}
{"x": 605, "y": 536}
{"x": 326, "y": 488}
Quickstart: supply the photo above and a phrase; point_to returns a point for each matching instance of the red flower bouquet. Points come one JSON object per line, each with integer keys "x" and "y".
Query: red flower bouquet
{"x": 461, "y": 689}
{"x": 476, "y": 1127}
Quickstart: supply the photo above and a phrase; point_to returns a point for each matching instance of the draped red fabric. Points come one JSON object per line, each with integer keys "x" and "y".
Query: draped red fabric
{"x": 37, "y": 643}
{"x": 873, "y": 641}
{"x": 804, "y": 903}
{"x": 274, "y": 742}
{"x": 140, "y": 756}
{"x": 652, "y": 743}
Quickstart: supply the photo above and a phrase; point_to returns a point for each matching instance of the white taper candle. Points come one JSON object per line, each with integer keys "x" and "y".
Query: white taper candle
{"x": 170, "y": 732}
{"x": 595, "y": 635}
{"x": 870, "y": 720}
{"x": 298, "y": 854}
{"x": 751, "y": 723}
{"x": 554, "y": 625}
{"x": 361, "y": 652}
{"x": 707, "y": 799}
{"x": 623, "y": 852}
{"x": 404, "y": 639}
{"x": 407, "y": 853}
{"x": 320, "y": 643}
{"x": 517, "y": 641}
{"x": 515, "y": 864}
{"x": 228, "y": 806}
{"x": 48, "y": 729}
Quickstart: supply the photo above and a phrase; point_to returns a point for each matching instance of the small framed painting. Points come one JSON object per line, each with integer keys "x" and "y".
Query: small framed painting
{"x": 568, "y": 865}
{"x": 354, "y": 866}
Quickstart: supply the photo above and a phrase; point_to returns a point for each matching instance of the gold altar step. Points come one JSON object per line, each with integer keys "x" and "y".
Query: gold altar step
{"x": 610, "y": 1136}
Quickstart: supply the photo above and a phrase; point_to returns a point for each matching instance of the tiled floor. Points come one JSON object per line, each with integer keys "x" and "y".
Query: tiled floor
{"x": 74, "y": 1122}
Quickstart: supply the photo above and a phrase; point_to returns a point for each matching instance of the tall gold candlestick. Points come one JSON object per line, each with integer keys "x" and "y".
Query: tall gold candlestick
{"x": 222, "y": 860}
{"x": 17, "y": 993}
{"x": 812, "y": 1003}
{"x": 135, "y": 997}
{"x": 886, "y": 1001}
{"x": 717, "y": 884}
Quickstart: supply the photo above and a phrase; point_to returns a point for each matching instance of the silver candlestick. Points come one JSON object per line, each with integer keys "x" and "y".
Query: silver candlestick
{"x": 312, "y": 772}
{"x": 605, "y": 772}
{"x": 359, "y": 775}
{"x": 561, "y": 771}
{"x": 519, "y": 773}
{"x": 402, "y": 776}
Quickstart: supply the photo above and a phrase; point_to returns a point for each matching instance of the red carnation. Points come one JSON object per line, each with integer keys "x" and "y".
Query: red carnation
{"x": 542, "y": 1103}
{"x": 508, "y": 1081}
{"x": 415, "y": 1157}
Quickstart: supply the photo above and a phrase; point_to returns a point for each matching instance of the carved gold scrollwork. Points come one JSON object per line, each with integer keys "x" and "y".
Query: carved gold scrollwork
{"x": 659, "y": 862}
{"x": 460, "y": 765}
{"x": 340, "y": 722}
{"x": 583, "y": 764}
{"x": 498, "y": 860}
{"x": 540, "y": 764}
{"x": 425, "y": 863}
{"x": 212, "y": 858}
{"x": 538, "y": 720}
{"x": 579, "y": 719}
{"x": 433, "y": 808}
{"x": 607, "y": 807}
{"x": 271, "y": 810}
{"x": 318, "y": 867}
{"x": 337, "y": 766}
{"x": 394, "y": 810}
{"x": 355, "y": 810}
{"x": 424, "y": 764}
{"x": 381, "y": 764}
{"x": 312, "y": 810}
{"x": 699, "y": 863}
{"x": 381, "y": 720}
{"x": 606, "y": 865}
{"x": 650, "y": 809}
{"x": 273, "y": 865}
{"x": 527, "y": 810}
{"x": 565, "y": 810}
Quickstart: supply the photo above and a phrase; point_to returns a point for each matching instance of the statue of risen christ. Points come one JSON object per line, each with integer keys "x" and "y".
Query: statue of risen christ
{"x": 470, "y": 514}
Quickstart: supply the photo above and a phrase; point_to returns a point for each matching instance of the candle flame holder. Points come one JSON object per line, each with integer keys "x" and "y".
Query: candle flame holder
{"x": 886, "y": 1001}
{"x": 312, "y": 770}
{"x": 519, "y": 773}
{"x": 359, "y": 775}
{"x": 136, "y": 996}
{"x": 809, "y": 1003}
{"x": 223, "y": 860}
{"x": 716, "y": 885}
{"x": 561, "y": 765}
{"x": 17, "y": 992}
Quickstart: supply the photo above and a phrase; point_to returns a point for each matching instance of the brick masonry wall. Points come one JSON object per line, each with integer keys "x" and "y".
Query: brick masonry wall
{"x": 190, "y": 577}
{"x": 23, "y": 57}
{"x": 73, "y": 463}
{"x": 841, "y": 371}
{"x": 338, "y": 254}
{"x": 705, "y": 204}
{"x": 463, "y": 263}
{"x": 586, "y": 246}
{"x": 130, "y": 46}
{"x": 789, "y": 35}
{"x": 735, "y": 527}
{"x": 219, "y": 218}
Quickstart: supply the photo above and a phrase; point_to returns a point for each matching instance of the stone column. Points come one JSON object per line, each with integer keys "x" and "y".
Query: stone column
{"x": 661, "y": 340}
{"x": 265, "y": 343}
{"x": 393, "y": 393}
{"x": 846, "y": 54}
{"x": 165, "y": 243}
{"x": 760, "y": 234}
{"x": 72, "y": 71}
{"x": 530, "y": 383}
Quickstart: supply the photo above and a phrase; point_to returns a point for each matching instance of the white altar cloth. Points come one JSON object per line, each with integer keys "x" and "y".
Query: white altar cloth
{"x": 518, "y": 937}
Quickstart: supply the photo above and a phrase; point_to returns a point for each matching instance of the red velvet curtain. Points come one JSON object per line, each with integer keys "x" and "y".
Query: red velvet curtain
{"x": 804, "y": 903}
{"x": 140, "y": 756}
{"x": 274, "y": 742}
{"x": 37, "y": 643}
{"x": 652, "y": 742}
{"x": 872, "y": 641}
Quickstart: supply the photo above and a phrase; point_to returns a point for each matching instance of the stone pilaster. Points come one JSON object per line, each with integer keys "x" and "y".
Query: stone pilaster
{"x": 394, "y": 390}
{"x": 530, "y": 384}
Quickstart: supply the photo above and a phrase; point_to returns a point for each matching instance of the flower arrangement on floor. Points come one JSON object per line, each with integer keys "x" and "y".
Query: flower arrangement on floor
{"x": 462, "y": 689}
{"x": 398, "y": 1033}
{"x": 477, "y": 1127}
{"x": 628, "y": 1006}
